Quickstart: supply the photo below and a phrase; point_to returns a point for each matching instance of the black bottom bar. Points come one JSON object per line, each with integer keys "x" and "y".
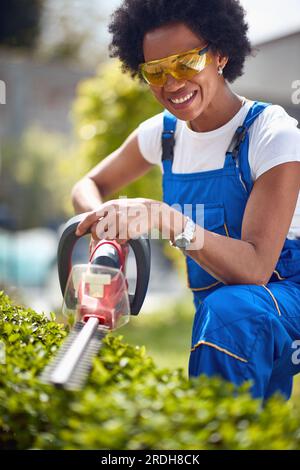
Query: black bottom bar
{"x": 136, "y": 459}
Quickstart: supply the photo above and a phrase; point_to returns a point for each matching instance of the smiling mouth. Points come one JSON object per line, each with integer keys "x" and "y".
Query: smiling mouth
{"x": 183, "y": 102}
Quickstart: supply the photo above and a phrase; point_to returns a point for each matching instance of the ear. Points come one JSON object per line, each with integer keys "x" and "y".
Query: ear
{"x": 221, "y": 60}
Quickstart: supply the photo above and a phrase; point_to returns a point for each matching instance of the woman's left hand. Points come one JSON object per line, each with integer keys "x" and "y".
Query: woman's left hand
{"x": 122, "y": 219}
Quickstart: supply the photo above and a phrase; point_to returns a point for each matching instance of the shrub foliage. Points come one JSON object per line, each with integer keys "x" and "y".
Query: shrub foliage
{"x": 128, "y": 403}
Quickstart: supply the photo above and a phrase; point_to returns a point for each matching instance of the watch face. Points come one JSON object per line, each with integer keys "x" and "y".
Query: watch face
{"x": 182, "y": 242}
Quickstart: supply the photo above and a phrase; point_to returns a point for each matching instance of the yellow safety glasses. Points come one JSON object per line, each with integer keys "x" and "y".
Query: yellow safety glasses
{"x": 181, "y": 66}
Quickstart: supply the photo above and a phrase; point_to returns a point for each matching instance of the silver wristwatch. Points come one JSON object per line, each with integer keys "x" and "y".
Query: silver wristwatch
{"x": 184, "y": 239}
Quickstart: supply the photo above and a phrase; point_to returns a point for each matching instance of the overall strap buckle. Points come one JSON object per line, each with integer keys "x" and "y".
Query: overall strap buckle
{"x": 168, "y": 142}
{"x": 237, "y": 140}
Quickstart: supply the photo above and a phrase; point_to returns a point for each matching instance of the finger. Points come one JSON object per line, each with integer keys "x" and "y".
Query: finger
{"x": 121, "y": 241}
{"x": 104, "y": 209}
{"x": 93, "y": 231}
{"x": 101, "y": 228}
{"x": 121, "y": 233}
{"x": 107, "y": 227}
{"x": 85, "y": 224}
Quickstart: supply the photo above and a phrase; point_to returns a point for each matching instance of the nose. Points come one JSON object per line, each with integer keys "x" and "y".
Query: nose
{"x": 172, "y": 84}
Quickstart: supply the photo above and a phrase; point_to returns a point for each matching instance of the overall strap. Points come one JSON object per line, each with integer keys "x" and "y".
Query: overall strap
{"x": 239, "y": 146}
{"x": 168, "y": 136}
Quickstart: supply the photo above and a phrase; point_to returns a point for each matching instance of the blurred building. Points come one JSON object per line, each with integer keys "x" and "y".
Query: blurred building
{"x": 270, "y": 75}
{"x": 37, "y": 92}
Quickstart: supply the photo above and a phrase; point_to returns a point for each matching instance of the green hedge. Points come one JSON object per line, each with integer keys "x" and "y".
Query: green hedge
{"x": 128, "y": 403}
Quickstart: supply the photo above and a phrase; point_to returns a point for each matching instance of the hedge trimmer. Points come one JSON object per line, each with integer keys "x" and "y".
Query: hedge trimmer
{"x": 96, "y": 300}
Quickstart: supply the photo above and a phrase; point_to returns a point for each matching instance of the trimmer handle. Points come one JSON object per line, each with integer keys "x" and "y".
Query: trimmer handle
{"x": 140, "y": 247}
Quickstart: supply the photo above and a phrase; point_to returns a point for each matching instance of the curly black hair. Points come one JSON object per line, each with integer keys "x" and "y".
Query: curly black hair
{"x": 220, "y": 22}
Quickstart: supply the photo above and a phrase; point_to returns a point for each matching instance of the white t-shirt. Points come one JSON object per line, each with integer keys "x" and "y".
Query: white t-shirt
{"x": 273, "y": 139}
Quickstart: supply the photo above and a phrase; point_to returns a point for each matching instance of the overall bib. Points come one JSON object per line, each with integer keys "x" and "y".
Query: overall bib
{"x": 243, "y": 332}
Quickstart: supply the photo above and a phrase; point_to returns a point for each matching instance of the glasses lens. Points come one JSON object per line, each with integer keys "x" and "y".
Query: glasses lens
{"x": 193, "y": 61}
{"x": 153, "y": 74}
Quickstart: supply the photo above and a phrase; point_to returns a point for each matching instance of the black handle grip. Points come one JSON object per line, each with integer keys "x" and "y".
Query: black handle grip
{"x": 140, "y": 247}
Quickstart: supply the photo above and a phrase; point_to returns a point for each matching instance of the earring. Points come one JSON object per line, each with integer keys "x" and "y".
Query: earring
{"x": 220, "y": 70}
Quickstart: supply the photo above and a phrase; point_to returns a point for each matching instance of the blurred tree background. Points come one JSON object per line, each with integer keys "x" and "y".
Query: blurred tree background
{"x": 39, "y": 167}
{"x": 107, "y": 109}
{"x": 56, "y": 29}
{"x": 38, "y": 170}
{"x": 20, "y": 30}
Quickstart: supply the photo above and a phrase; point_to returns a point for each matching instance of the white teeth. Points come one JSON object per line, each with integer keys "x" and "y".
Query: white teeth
{"x": 182, "y": 100}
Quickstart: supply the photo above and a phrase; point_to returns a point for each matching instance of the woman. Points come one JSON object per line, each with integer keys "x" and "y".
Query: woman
{"x": 238, "y": 159}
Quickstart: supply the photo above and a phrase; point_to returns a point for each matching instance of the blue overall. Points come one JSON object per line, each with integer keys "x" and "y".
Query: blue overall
{"x": 242, "y": 332}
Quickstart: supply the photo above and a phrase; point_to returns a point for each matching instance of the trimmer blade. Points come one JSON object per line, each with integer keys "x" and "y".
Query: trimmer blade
{"x": 70, "y": 367}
